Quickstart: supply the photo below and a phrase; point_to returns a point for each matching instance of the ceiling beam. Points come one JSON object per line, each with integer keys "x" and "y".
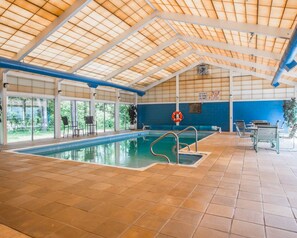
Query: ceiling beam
{"x": 54, "y": 26}
{"x": 141, "y": 58}
{"x": 236, "y": 48}
{"x": 150, "y": 4}
{"x": 167, "y": 64}
{"x": 242, "y": 62}
{"x": 171, "y": 76}
{"x": 138, "y": 26}
{"x": 248, "y": 72}
{"x": 227, "y": 25}
{"x": 236, "y": 61}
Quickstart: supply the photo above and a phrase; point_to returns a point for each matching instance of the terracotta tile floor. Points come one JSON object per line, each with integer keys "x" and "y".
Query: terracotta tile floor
{"x": 234, "y": 192}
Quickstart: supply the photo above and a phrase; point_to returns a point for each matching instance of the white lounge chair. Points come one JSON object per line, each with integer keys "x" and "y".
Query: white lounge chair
{"x": 241, "y": 129}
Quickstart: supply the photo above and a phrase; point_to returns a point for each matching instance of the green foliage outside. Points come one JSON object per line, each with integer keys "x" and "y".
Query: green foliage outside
{"x": 290, "y": 112}
{"x": 105, "y": 116}
{"x": 29, "y": 118}
{"x": 33, "y": 118}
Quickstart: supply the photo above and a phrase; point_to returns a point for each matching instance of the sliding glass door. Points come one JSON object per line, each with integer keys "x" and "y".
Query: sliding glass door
{"x": 100, "y": 116}
{"x": 105, "y": 116}
{"x": 30, "y": 118}
{"x": 109, "y": 116}
{"x": 75, "y": 111}
{"x": 43, "y": 118}
{"x": 82, "y": 109}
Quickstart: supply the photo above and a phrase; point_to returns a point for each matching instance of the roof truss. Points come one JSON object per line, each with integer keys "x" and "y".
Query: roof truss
{"x": 235, "y": 61}
{"x": 228, "y": 25}
{"x": 172, "y": 75}
{"x": 169, "y": 18}
{"x": 141, "y": 58}
{"x": 138, "y": 26}
{"x": 242, "y": 62}
{"x": 248, "y": 72}
{"x": 167, "y": 64}
{"x": 231, "y": 47}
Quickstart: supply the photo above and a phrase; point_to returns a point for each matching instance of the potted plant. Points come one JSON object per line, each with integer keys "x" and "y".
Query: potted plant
{"x": 132, "y": 116}
{"x": 290, "y": 112}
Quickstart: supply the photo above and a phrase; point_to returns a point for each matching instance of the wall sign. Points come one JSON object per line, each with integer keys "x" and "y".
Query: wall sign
{"x": 202, "y": 96}
{"x": 215, "y": 95}
{"x": 212, "y": 96}
{"x": 195, "y": 107}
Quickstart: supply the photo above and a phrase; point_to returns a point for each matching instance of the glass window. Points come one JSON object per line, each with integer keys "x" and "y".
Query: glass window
{"x": 105, "y": 116}
{"x": 30, "y": 118}
{"x": 109, "y": 117}
{"x": 43, "y": 118}
{"x": 75, "y": 111}
{"x": 99, "y": 109}
{"x": 82, "y": 110}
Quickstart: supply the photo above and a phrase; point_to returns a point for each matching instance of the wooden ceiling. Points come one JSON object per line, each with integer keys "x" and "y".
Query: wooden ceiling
{"x": 140, "y": 42}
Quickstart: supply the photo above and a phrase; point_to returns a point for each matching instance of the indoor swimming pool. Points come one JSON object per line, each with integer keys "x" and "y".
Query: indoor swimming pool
{"x": 125, "y": 150}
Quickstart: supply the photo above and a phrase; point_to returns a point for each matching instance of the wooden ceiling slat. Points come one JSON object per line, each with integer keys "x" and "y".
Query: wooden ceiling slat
{"x": 103, "y": 20}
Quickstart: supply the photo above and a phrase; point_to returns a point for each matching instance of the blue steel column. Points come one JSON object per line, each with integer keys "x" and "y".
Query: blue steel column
{"x": 288, "y": 60}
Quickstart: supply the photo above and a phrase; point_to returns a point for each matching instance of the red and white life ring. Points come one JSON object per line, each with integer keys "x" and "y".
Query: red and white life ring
{"x": 177, "y": 116}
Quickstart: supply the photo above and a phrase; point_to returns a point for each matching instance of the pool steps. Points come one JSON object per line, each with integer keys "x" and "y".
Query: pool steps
{"x": 176, "y": 135}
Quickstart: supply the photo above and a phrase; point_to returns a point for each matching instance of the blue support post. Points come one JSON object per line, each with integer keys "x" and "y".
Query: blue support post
{"x": 288, "y": 60}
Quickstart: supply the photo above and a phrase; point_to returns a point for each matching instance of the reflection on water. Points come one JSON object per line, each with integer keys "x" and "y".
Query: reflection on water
{"x": 133, "y": 153}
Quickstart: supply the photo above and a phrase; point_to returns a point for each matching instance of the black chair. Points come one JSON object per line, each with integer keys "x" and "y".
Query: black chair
{"x": 67, "y": 125}
{"x": 90, "y": 125}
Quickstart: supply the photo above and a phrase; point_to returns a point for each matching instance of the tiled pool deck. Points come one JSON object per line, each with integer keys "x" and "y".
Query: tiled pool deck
{"x": 233, "y": 193}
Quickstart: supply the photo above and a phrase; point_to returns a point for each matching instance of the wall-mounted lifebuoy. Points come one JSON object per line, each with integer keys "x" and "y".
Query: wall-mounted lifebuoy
{"x": 177, "y": 116}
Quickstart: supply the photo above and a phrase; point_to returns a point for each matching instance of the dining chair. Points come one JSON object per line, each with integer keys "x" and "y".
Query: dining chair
{"x": 241, "y": 129}
{"x": 90, "y": 125}
{"x": 268, "y": 134}
{"x": 67, "y": 125}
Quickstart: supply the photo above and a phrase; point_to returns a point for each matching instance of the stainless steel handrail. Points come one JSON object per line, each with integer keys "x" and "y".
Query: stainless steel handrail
{"x": 196, "y": 135}
{"x": 162, "y": 155}
{"x": 185, "y": 145}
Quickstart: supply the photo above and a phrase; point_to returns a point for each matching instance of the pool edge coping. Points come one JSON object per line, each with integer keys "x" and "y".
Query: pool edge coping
{"x": 204, "y": 154}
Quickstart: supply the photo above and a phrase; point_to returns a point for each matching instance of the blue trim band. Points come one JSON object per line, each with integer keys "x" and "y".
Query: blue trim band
{"x": 92, "y": 82}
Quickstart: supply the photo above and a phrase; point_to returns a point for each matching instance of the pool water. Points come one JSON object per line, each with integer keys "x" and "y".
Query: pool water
{"x": 132, "y": 152}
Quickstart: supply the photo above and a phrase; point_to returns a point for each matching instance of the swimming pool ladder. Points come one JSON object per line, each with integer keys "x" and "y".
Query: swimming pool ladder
{"x": 176, "y": 135}
{"x": 196, "y": 135}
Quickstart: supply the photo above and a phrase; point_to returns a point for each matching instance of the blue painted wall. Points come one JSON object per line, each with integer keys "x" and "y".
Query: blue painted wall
{"x": 215, "y": 114}
{"x": 258, "y": 110}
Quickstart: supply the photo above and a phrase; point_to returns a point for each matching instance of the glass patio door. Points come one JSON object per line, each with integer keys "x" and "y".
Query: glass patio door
{"x": 105, "y": 116}
{"x": 75, "y": 111}
{"x": 100, "y": 116}
{"x": 19, "y": 119}
{"x": 43, "y": 118}
{"x": 109, "y": 116}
